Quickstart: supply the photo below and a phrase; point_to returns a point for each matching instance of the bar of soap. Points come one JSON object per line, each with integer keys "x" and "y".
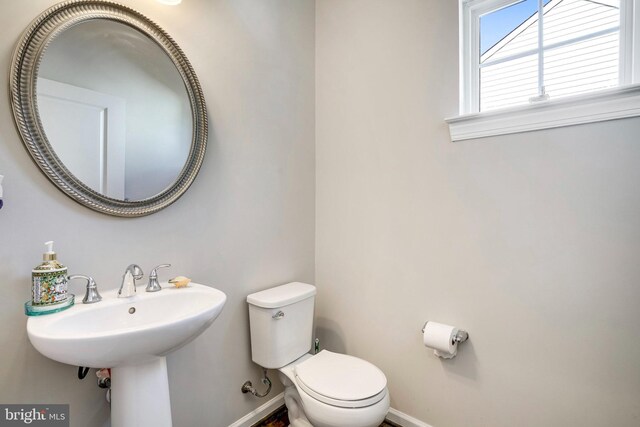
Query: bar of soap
{"x": 180, "y": 281}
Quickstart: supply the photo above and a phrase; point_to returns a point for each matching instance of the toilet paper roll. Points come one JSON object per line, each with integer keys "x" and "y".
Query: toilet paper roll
{"x": 441, "y": 338}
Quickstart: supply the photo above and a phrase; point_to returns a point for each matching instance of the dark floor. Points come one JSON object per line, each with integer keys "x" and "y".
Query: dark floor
{"x": 279, "y": 418}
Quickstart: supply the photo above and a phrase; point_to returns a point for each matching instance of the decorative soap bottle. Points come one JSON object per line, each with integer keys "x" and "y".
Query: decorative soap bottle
{"x": 49, "y": 280}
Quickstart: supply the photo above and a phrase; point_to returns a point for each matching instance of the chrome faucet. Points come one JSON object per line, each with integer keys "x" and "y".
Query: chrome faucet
{"x": 153, "y": 285}
{"x": 128, "y": 286}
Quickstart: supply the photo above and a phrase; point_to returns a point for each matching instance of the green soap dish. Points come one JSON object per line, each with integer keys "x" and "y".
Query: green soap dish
{"x": 39, "y": 310}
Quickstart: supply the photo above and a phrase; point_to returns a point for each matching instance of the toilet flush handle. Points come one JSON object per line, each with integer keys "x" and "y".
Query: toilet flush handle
{"x": 279, "y": 315}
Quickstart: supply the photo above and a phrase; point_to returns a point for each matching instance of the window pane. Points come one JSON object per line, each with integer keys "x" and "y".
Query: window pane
{"x": 509, "y": 31}
{"x": 581, "y": 50}
{"x": 508, "y": 83}
{"x": 586, "y": 66}
{"x": 569, "y": 19}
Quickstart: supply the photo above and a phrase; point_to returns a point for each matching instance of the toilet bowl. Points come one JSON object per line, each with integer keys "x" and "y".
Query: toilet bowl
{"x": 322, "y": 390}
{"x": 332, "y": 389}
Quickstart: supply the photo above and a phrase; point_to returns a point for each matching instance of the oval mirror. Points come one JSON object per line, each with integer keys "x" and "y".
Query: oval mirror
{"x": 109, "y": 107}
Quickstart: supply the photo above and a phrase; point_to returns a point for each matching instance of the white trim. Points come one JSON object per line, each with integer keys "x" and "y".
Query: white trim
{"x": 257, "y": 414}
{"x": 469, "y": 55}
{"x": 263, "y": 411}
{"x": 626, "y": 42}
{"x": 635, "y": 10}
{"x": 404, "y": 420}
{"x": 541, "y": 50}
{"x": 599, "y": 106}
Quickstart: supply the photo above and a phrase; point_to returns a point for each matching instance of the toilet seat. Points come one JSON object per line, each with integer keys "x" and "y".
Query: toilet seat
{"x": 341, "y": 380}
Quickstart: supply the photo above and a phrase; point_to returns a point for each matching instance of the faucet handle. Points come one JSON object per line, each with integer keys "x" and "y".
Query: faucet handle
{"x": 92, "y": 294}
{"x": 154, "y": 272}
{"x": 153, "y": 285}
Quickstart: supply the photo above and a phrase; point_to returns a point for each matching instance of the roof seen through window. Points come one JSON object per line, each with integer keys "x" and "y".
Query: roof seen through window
{"x": 496, "y": 25}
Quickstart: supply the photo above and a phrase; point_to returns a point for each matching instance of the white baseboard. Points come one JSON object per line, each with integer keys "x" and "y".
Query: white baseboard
{"x": 403, "y": 419}
{"x": 261, "y": 412}
{"x": 256, "y": 415}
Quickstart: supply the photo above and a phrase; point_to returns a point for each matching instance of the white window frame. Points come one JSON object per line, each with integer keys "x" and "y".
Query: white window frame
{"x": 620, "y": 102}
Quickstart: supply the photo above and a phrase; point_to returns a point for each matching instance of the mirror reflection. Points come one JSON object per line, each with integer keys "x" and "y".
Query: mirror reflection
{"x": 115, "y": 109}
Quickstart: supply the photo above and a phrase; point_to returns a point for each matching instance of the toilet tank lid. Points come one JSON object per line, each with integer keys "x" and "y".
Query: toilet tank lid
{"x": 282, "y": 295}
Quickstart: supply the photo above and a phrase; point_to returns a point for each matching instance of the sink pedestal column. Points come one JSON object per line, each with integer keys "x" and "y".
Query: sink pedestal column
{"x": 140, "y": 395}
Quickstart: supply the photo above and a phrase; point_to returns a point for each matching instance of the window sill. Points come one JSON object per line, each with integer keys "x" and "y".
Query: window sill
{"x": 605, "y": 105}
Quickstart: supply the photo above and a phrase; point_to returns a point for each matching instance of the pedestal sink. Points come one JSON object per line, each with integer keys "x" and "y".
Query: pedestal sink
{"x": 132, "y": 336}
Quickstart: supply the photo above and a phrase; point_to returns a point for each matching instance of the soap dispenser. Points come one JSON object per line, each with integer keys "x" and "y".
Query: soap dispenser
{"x": 48, "y": 285}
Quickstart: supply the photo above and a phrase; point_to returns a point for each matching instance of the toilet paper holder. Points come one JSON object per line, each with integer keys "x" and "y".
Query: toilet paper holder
{"x": 460, "y": 336}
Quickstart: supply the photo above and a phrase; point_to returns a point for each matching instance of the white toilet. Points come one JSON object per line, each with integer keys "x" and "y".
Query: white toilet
{"x": 322, "y": 390}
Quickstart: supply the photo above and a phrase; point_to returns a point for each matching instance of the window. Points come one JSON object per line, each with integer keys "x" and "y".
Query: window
{"x": 519, "y": 53}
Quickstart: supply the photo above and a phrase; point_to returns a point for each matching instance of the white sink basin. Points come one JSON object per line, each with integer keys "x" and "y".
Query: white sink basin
{"x": 107, "y": 335}
{"x": 132, "y": 336}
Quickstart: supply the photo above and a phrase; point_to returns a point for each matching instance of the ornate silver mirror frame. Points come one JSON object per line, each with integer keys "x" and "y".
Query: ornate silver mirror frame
{"x": 23, "y": 78}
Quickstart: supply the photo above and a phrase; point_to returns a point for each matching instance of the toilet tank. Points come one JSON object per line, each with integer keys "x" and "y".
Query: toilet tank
{"x": 281, "y": 323}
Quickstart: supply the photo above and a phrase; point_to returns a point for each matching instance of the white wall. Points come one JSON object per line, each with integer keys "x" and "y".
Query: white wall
{"x": 246, "y": 223}
{"x": 528, "y": 241}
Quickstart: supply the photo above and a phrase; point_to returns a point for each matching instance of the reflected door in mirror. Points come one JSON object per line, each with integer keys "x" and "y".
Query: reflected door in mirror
{"x": 89, "y": 131}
